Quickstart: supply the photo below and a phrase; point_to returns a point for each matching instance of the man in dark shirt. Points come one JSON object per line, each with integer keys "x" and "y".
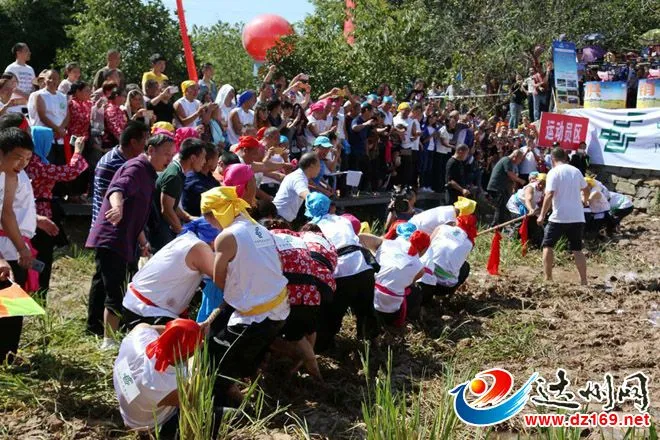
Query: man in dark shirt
{"x": 516, "y": 101}
{"x": 117, "y": 229}
{"x": 579, "y": 159}
{"x": 159, "y": 101}
{"x": 357, "y": 137}
{"x": 500, "y": 185}
{"x": 198, "y": 183}
{"x": 457, "y": 174}
{"x": 169, "y": 188}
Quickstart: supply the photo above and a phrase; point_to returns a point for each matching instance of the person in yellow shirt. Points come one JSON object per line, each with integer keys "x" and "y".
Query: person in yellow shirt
{"x": 158, "y": 64}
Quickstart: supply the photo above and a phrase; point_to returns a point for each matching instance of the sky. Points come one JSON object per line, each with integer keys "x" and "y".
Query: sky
{"x": 207, "y": 12}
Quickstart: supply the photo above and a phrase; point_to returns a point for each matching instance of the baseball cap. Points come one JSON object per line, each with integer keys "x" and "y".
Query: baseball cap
{"x": 403, "y": 106}
{"x": 323, "y": 142}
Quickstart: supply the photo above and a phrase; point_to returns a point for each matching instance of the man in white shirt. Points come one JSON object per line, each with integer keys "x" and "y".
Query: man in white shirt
{"x": 295, "y": 187}
{"x": 24, "y": 74}
{"x": 567, "y": 192}
{"x": 530, "y": 159}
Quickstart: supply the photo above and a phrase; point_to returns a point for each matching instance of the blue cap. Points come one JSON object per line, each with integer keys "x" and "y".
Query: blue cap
{"x": 372, "y": 96}
{"x": 204, "y": 230}
{"x": 388, "y": 100}
{"x": 245, "y": 97}
{"x": 284, "y": 139}
{"x": 405, "y": 230}
{"x": 317, "y": 205}
{"x": 323, "y": 141}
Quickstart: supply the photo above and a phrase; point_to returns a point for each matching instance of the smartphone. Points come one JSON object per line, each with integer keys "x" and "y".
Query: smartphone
{"x": 38, "y": 266}
{"x": 173, "y": 89}
{"x": 73, "y": 139}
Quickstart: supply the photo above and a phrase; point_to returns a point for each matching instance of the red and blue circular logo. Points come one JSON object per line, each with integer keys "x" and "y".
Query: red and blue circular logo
{"x": 489, "y": 404}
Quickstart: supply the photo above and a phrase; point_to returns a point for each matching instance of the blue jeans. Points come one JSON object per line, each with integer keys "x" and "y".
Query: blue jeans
{"x": 537, "y": 107}
{"x": 514, "y": 114}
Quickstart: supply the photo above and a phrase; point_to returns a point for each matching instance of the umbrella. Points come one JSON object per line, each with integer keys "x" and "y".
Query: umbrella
{"x": 592, "y": 53}
{"x": 650, "y": 37}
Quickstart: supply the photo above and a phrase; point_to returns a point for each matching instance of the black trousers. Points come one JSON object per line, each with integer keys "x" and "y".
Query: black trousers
{"x": 357, "y": 292}
{"x": 107, "y": 289}
{"x": 422, "y": 294}
{"x": 440, "y": 171}
{"x": 45, "y": 245}
{"x": 500, "y": 199}
{"x": 360, "y": 162}
{"x": 130, "y": 319}
{"x": 11, "y": 327}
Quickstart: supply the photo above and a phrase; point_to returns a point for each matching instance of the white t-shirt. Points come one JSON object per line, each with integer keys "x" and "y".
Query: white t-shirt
{"x": 339, "y": 231}
{"x": 388, "y": 119}
{"x": 189, "y": 107}
{"x": 289, "y": 197}
{"x": 566, "y": 182}
{"x": 55, "y": 105}
{"x": 414, "y": 143}
{"x": 619, "y": 201}
{"x": 244, "y": 117}
{"x": 321, "y": 126}
{"x": 406, "y": 143}
{"x": 138, "y": 385}
{"x": 65, "y": 86}
{"x": 25, "y": 75}
{"x": 276, "y": 158}
{"x": 431, "y": 144}
{"x": 447, "y": 136}
{"x": 25, "y": 211}
{"x": 397, "y": 271}
{"x": 528, "y": 164}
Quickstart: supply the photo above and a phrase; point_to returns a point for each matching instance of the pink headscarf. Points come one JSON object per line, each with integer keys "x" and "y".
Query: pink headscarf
{"x": 354, "y": 222}
{"x": 159, "y": 130}
{"x": 184, "y": 133}
{"x": 238, "y": 175}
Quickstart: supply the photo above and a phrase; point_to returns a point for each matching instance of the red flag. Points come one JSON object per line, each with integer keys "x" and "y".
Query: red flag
{"x": 349, "y": 25}
{"x": 523, "y": 235}
{"x": 187, "y": 47}
{"x": 494, "y": 258}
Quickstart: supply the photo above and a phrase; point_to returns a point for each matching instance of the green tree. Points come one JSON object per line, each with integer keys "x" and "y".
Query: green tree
{"x": 40, "y": 24}
{"x": 221, "y": 45}
{"x": 137, "y": 28}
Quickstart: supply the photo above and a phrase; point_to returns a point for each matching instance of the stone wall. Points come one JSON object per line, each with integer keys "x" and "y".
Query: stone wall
{"x": 643, "y": 186}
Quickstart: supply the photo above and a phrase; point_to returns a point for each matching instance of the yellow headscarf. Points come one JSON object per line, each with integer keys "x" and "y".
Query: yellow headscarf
{"x": 541, "y": 177}
{"x": 225, "y": 205}
{"x": 186, "y": 84}
{"x": 590, "y": 181}
{"x": 163, "y": 125}
{"x": 365, "y": 228}
{"x": 465, "y": 206}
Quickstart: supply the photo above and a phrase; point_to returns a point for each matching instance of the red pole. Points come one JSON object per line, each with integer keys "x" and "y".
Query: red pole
{"x": 349, "y": 26}
{"x": 187, "y": 47}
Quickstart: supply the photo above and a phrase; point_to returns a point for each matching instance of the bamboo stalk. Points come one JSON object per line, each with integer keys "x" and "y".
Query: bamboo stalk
{"x": 502, "y": 225}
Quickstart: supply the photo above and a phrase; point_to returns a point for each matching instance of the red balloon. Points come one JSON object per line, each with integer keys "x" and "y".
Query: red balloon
{"x": 262, "y": 33}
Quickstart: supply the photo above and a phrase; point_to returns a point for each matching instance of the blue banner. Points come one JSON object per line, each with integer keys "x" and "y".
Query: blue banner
{"x": 566, "y": 75}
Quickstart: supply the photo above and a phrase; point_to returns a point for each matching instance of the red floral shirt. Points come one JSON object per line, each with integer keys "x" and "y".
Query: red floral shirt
{"x": 44, "y": 177}
{"x": 115, "y": 122}
{"x": 79, "y": 117}
{"x": 299, "y": 260}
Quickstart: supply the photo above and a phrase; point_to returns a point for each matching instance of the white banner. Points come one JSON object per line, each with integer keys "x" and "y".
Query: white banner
{"x": 624, "y": 137}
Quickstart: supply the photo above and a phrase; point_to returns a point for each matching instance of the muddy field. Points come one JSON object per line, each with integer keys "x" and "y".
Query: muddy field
{"x": 61, "y": 388}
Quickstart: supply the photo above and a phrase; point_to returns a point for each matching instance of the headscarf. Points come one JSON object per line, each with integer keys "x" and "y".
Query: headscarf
{"x": 318, "y": 106}
{"x": 419, "y": 241}
{"x": 245, "y": 97}
{"x": 354, "y": 222}
{"x": 238, "y": 175}
{"x": 541, "y": 177}
{"x": 204, "y": 230}
{"x": 245, "y": 142}
{"x": 184, "y": 133}
{"x": 179, "y": 340}
{"x": 163, "y": 127}
{"x": 403, "y": 106}
{"x": 284, "y": 139}
{"x": 465, "y": 206}
{"x": 405, "y": 230}
{"x": 261, "y": 132}
{"x": 590, "y": 181}
{"x": 222, "y": 95}
{"x": 186, "y": 84}
{"x": 225, "y": 205}
{"x": 43, "y": 140}
{"x": 316, "y": 206}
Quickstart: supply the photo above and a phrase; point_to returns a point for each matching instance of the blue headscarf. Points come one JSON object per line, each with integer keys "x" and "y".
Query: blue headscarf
{"x": 245, "y": 97}
{"x": 204, "y": 230}
{"x": 43, "y": 140}
{"x": 317, "y": 205}
{"x": 405, "y": 230}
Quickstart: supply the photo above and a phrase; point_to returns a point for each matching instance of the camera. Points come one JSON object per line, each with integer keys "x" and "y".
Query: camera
{"x": 401, "y": 199}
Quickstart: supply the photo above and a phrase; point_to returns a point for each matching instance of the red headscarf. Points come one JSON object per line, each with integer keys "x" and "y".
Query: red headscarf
{"x": 179, "y": 340}
{"x": 246, "y": 142}
{"x": 260, "y": 133}
{"x": 419, "y": 241}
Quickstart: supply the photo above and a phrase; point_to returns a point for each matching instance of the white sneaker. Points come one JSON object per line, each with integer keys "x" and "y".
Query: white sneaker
{"x": 109, "y": 344}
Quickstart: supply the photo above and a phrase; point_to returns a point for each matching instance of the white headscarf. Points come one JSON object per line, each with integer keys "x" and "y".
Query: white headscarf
{"x": 220, "y": 100}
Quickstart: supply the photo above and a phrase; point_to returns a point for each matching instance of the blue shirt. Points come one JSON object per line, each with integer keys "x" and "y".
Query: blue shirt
{"x": 358, "y": 139}
{"x": 105, "y": 170}
{"x": 193, "y": 187}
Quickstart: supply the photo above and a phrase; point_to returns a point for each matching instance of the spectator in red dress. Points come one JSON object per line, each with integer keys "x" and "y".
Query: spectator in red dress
{"x": 44, "y": 176}
{"x": 115, "y": 119}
